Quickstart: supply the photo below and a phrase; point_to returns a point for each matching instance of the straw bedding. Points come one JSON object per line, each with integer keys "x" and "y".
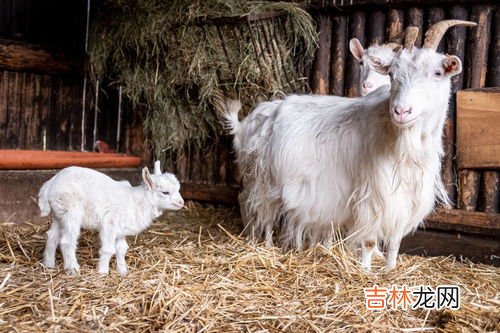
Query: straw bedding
{"x": 191, "y": 272}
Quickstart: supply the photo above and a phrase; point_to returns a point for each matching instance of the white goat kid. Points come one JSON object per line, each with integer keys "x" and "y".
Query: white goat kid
{"x": 84, "y": 198}
{"x": 369, "y": 78}
{"x": 369, "y": 165}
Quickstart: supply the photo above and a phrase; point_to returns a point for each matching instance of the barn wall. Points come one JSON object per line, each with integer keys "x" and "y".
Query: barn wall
{"x": 41, "y": 82}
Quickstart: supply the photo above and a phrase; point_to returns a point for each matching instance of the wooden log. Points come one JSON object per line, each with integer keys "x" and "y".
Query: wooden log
{"x": 16, "y": 56}
{"x": 375, "y": 28}
{"x": 493, "y": 75}
{"x": 356, "y": 28}
{"x": 320, "y": 74}
{"x": 436, "y": 14}
{"x": 490, "y": 194}
{"x": 468, "y": 189}
{"x": 415, "y": 17}
{"x": 13, "y": 110}
{"x": 455, "y": 44}
{"x": 4, "y": 102}
{"x": 475, "y": 76}
{"x": 339, "y": 53}
{"x": 395, "y": 25}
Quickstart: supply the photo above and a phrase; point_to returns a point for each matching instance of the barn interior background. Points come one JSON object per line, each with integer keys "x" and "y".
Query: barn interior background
{"x": 154, "y": 73}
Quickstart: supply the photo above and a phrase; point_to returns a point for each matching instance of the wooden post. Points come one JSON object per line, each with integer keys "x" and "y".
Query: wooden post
{"x": 436, "y": 14}
{"x": 490, "y": 192}
{"x": 455, "y": 45}
{"x": 356, "y": 28}
{"x": 476, "y": 68}
{"x": 339, "y": 53}
{"x": 416, "y": 18}
{"x": 320, "y": 79}
{"x": 395, "y": 25}
{"x": 375, "y": 32}
{"x": 491, "y": 179}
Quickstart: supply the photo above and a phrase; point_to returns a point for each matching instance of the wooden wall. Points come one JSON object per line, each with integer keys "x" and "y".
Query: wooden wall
{"x": 42, "y": 59}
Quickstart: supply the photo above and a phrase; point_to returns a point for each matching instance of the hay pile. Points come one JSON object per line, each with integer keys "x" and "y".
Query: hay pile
{"x": 177, "y": 59}
{"x": 191, "y": 273}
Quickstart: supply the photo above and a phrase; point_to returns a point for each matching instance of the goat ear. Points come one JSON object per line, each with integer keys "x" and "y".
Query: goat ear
{"x": 146, "y": 177}
{"x": 356, "y": 48}
{"x": 452, "y": 65}
{"x": 157, "y": 168}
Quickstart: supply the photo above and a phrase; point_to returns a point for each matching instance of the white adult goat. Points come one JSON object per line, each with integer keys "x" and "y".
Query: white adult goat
{"x": 84, "y": 198}
{"x": 374, "y": 172}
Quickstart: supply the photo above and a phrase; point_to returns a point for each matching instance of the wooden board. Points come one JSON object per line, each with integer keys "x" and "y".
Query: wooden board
{"x": 478, "y": 128}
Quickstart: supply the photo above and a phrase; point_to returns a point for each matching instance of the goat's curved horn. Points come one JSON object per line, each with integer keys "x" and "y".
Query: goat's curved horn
{"x": 411, "y": 36}
{"x": 436, "y": 31}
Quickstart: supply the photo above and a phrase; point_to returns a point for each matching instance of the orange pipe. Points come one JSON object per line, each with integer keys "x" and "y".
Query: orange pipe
{"x": 37, "y": 159}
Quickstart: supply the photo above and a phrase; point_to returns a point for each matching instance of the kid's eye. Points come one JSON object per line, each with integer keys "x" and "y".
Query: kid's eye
{"x": 166, "y": 193}
{"x": 438, "y": 73}
{"x": 361, "y": 63}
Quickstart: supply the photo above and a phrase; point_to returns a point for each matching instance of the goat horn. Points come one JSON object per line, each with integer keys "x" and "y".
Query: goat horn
{"x": 436, "y": 31}
{"x": 411, "y": 36}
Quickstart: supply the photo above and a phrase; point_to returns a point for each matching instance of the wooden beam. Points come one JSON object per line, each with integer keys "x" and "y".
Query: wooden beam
{"x": 440, "y": 243}
{"x": 21, "y": 57}
{"x": 465, "y": 221}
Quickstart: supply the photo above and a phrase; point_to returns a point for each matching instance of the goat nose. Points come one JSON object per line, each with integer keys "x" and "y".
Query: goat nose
{"x": 181, "y": 202}
{"x": 402, "y": 110}
{"x": 367, "y": 85}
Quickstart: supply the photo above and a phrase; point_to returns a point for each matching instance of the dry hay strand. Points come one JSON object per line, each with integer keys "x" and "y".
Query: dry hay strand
{"x": 176, "y": 59}
{"x": 191, "y": 272}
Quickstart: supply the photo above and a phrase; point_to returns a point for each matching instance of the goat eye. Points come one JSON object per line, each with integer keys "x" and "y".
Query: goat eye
{"x": 166, "y": 193}
{"x": 438, "y": 73}
{"x": 361, "y": 63}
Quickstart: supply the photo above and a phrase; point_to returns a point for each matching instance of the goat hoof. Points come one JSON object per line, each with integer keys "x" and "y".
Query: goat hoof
{"x": 49, "y": 264}
{"x": 73, "y": 272}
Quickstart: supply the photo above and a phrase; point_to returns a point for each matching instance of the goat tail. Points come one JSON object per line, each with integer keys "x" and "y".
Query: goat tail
{"x": 43, "y": 198}
{"x": 231, "y": 122}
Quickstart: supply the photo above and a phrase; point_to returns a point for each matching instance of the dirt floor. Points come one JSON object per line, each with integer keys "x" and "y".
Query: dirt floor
{"x": 191, "y": 272}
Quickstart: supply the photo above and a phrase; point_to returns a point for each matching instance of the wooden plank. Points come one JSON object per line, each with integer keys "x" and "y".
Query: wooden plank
{"x": 320, "y": 75}
{"x": 478, "y": 128}
{"x": 16, "y": 56}
{"x": 464, "y": 221}
{"x": 339, "y": 54}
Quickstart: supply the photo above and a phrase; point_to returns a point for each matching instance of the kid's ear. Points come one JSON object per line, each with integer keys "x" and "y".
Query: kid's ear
{"x": 146, "y": 177}
{"x": 452, "y": 65}
{"x": 356, "y": 48}
{"x": 380, "y": 66}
